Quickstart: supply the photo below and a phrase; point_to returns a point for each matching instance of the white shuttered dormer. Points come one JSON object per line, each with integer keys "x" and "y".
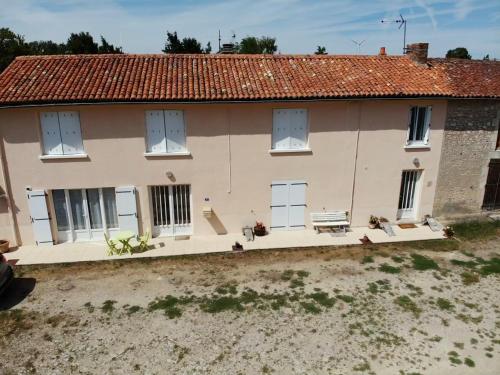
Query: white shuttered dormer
{"x": 166, "y": 132}
{"x": 290, "y": 129}
{"x": 61, "y": 134}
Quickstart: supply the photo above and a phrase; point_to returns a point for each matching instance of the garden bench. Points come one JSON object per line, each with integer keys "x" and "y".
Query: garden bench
{"x": 330, "y": 219}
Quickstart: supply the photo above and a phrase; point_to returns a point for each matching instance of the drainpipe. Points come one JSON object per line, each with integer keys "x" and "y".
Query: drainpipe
{"x": 8, "y": 195}
{"x": 359, "y": 106}
{"x": 229, "y": 149}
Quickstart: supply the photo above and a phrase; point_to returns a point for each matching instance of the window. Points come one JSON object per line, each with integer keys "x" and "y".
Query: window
{"x": 61, "y": 133}
{"x": 171, "y": 210}
{"x": 491, "y": 199}
{"x": 418, "y": 129}
{"x": 290, "y": 129}
{"x": 165, "y": 132}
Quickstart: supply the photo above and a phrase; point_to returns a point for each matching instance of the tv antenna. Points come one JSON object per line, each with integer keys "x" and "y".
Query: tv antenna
{"x": 402, "y": 24}
{"x": 358, "y": 44}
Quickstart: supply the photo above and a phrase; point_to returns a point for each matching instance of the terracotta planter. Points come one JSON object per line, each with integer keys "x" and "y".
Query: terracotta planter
{"x": 4, "y": 246}
{"x": 372, "y": 226}
{"x": 259, "y": 232}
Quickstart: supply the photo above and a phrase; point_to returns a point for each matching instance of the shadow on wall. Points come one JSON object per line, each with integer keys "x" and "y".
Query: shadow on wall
{"x": 216, "y": 224}
{"x": 19, "y": 289}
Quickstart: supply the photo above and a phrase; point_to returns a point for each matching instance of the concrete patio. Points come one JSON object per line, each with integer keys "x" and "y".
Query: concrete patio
{"x": 167, "y": 246}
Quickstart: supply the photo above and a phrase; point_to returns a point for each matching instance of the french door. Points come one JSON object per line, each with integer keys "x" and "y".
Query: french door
{"x": 408, "y": 194}
{"x": 171, "y": 206}
{"x": 85, "y": 214}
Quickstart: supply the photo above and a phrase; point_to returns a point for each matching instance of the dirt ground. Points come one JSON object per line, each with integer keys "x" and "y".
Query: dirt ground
{"x": 351, "y": 310}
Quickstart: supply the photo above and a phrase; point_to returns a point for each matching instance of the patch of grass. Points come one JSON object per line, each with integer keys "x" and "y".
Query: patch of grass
{"x": 433, "y": 245}
{"x": 266, "y": 369}
{"x": 490, "y": 267}
{"x": 365, "y": 366}
{"x": 89, "y": 307}
{"x": 14, "y": 320}
{"x": 476, "y": 230}
{"x": 367, "y": 259}
{"x": 218, "y": 304}
{"x": 310, "y": 307}
{"x": 469, "y": 278}
{"x": 345, "y": 298}
{"x": 469, "y": 362}
{"x": 423, "y": 263}
{"x": 462, "y": 263}
{"x": 228, "y": 288}
{"x": 296, "y": 283}
{"x": 459, "y": 345}
{"x": 444, "y": 304}
{"x": 169, "y": 305}
{"x": 133, "y": 309}
{"x": 455, "y": 360}
{"x": 287, "y": 275}
{"x": 108, "y": 306}
{"x": 389, "y": 269}
{"x": 302, "y": 273}
{"x": 322, "y": 298}
{"x": 398, "y": 259}
{"x": 407, "y": 304}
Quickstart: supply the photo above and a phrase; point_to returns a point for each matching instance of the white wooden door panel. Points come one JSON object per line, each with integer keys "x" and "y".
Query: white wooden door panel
{"x": 40, "y": 217}
{"x": 288, "y": 202}
{"x": 155, "y": 129}
{"x": 51, "y": 134}
{"x": 126, "y": 206}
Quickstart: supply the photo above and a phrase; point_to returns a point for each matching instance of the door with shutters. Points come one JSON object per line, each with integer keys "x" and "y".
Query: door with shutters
{"x": 288, "y": 202}
{"x": 409, "y": 194}
{"x": 126, "y": 207}
{"x": 40, "y": 218}
{"x": 491, "y": 200}
{"x": 171, "y": 208}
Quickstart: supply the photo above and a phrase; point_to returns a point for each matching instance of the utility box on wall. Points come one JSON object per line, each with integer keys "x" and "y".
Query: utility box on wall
{"x": 207, "y": 211}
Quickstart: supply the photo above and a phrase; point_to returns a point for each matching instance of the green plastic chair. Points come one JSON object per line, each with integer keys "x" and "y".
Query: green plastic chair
{"x": 143, "y": 241}
{"x": 112, "y": 246}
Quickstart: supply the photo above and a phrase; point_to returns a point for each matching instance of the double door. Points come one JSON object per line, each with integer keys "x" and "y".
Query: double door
{"x": 171, "y": 208}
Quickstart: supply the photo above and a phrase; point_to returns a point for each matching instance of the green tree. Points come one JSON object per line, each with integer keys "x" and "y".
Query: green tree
{"x": 486, "y": 57}
{"x": 208, "y": 48}
{"x": 106, "y": 47}
{"x": 46, "y": 47}
{"x": 320, "y": 51}
{"x": 80, "y": 43}
{"x": 186, "y": 45}
{"x": 11, "y": 45}
{"x": 458, "y": 53}
{"x": 254, "y": 45}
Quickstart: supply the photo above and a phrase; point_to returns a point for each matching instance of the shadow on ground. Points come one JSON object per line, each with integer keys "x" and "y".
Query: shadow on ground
{"x": 19, "y": 289}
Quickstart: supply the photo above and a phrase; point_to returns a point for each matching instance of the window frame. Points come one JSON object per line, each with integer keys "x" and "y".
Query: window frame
{"x": 411, "y": 142}
{"x": 148, "y": 152}
{"x": 290, "y": 149}
{"x": 44, "y": 155}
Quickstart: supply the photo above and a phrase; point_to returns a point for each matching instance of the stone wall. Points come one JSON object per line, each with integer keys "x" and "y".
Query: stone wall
{"x": 469, "y": 143}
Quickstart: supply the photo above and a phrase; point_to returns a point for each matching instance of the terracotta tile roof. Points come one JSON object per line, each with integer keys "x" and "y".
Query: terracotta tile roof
{"x": 162, "y": 78}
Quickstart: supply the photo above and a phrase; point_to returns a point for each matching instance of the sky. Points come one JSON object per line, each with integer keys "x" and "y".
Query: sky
{"x": 298, "y": 25}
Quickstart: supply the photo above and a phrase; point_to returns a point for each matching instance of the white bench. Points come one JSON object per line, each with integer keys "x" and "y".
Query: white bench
{"x": 330, "y": 219}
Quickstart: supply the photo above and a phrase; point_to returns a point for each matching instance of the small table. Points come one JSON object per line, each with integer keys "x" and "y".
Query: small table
{"x": 124, "y": 238}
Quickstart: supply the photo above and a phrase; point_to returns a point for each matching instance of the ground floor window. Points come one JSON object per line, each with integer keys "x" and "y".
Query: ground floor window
{"x": 171, "y": 209}
{"x": 491, "y": 199}
{"x": 85, "y": 214}
{"x": 408, "y": 194}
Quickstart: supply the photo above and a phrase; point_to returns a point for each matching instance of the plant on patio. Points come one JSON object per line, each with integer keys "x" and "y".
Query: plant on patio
{"x": 373, "y": 222}
{"x": 449, "y": 232}
{"x": 259, "y": 229}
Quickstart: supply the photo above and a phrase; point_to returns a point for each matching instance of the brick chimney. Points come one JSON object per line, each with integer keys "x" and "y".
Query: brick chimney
{"x": 382, "y": 52}
{"x": 418, "y": 52}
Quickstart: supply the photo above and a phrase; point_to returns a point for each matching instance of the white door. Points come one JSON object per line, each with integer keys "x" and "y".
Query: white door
{"x": 40, "y": 217}
{"x": 408, "y": 194}
{"x": 126, "y": 206}
{"x": 171, "y": 208}
{"x": 288, "y": 202}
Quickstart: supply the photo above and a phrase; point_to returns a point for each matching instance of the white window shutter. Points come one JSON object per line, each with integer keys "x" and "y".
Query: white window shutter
{"x": 126, "y": 207}
{"x": 298, "y": 128}
{"x": 428, "y": 119}
{"x": 297, "y": 202}
{"x": 51, "y": 134}
{"x": 279, "y": 205}
{"x": 40, "y": 219}
{"x": 281, "y": 130}
{"x": 71, "y": 133}
{"x": 175, "y": 131}
{"x": 155, "y": 129}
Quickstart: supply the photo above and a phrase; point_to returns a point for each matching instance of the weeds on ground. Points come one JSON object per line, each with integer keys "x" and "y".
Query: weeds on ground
{"x": 423, "y": 263}
{"x": 469, "y": 278}
{"x": 476, "y": 230}
{"x": 389, "y": 269}
{"x": 367, "y": 259}
{"x": 444, "y": 304}
{"x": 407, "y": 304}
{"x": 108, "y": 306}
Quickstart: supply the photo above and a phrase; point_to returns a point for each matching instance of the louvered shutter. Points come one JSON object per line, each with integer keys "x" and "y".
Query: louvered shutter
{"x": 51, "y": 134}
{"x": 298, "y": 128}
{"x": 155, "y": 129}
{"x": 71, "y": 134}
{"x": 175, "y": 132}
{"x": 126, "y": 207}
{"x": 297, "y": 205}
{"x": 279, "y": 205}
{"x": 281, "y": 130}
{"x": 40, "y": 219}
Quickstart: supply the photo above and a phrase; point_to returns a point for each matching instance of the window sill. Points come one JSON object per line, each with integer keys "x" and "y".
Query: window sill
{"x": 291, "y": 151}
{"x": 166, "y": 154}
{"x": 417, "y": 146}
{"x": 71, "y": 156}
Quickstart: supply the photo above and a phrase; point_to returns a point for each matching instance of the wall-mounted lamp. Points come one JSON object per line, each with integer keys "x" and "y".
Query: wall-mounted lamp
{"x": 416, "y": 162}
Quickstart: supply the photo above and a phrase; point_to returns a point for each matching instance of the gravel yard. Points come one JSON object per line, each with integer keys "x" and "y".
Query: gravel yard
{"x": 421, "y": 308}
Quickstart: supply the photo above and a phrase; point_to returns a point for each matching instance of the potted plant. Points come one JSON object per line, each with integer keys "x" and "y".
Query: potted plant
{"x": 4, "y": 246}
{"x": 259, "y": 229}
{"x": 373, "y": 222}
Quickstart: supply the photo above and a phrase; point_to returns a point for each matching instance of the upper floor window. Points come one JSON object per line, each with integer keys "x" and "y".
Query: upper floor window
{"x": 61, "y": 134}
{"x": 165, "y": 132}
{"x": 419, "y": 127}
{"x": 290, "y": 130}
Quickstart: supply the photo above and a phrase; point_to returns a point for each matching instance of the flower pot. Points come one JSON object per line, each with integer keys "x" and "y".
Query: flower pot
{"x": 372, "y": 226}
{"x": 4, "y": 246}
{"x": 259, "y": 232}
